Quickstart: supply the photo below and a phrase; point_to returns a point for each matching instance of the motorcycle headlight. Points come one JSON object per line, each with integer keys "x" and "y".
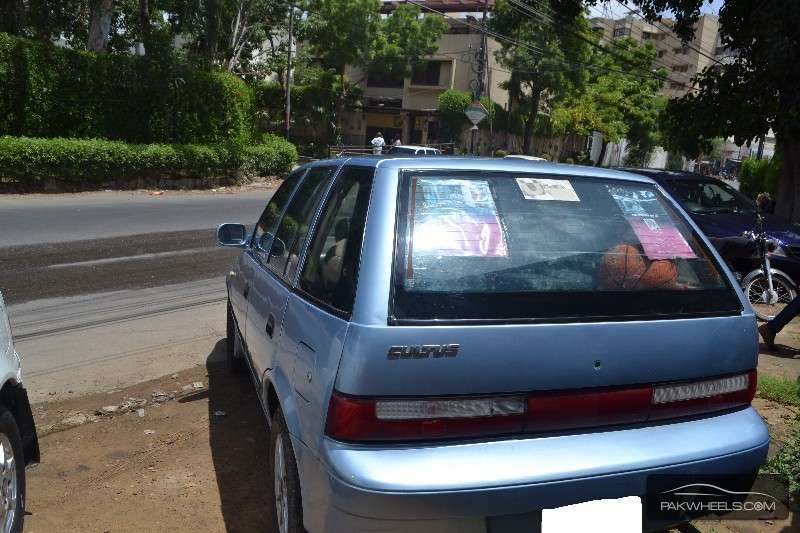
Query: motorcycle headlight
{"x": 779, "y": 251}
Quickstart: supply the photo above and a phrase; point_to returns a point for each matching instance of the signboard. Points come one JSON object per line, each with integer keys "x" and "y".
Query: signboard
{"x": 476, "y": 112}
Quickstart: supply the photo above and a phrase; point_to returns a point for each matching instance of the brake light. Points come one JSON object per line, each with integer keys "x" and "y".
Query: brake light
{"x": 684, "y": 399}
{"x": 353, "y": 418}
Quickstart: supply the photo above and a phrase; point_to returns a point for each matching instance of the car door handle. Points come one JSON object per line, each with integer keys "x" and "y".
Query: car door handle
{"x": 245, "y": 291}
{"x": 270, "y": 325}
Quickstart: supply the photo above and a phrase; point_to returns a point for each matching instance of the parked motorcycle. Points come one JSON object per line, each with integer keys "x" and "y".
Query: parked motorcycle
{"x": 768, "y": 290}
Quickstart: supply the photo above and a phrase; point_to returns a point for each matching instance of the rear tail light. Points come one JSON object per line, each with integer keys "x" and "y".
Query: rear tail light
{"x": 684, "y": 399}
{"x": 360, "y": 419}
{"x": 353, "y": 418}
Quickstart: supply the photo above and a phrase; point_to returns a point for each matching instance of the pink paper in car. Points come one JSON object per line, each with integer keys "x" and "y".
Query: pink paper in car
{"x": 457, "y": 218}
{"x": 660, "y": 239}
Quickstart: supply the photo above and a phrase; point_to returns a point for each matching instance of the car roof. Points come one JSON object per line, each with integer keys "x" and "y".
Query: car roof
{"x": 415, "y": 147}
{"x": 492, "y": 164}
{"x": 528, "y": 157}
{"x": 660, "y": 174}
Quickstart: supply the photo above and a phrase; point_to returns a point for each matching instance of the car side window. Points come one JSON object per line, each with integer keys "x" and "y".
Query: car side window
{"x": 293, "y": 228}
{"x": 276, "y": 205}
{"x": 331, "y": 266}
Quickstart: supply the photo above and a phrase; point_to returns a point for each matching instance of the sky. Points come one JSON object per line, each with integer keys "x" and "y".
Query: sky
{"x": 613, "y": 9}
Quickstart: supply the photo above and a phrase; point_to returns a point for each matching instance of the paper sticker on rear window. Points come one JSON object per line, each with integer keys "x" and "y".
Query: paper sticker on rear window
{"x": 657, "y": 233}
{"x": 456, "y": 217}
{"x": 547, "y": 189}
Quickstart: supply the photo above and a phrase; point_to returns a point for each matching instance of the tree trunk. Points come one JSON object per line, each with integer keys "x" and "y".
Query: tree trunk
{"x": 788, "y": 205}
{"x": 99, "y": 25}
{"x": 12, "y": 17}
{"x": 603, "y": 149}
{"x": 527, "y": 138}
{"x": 144, "y": 26}
{"x": 212, "y": 27}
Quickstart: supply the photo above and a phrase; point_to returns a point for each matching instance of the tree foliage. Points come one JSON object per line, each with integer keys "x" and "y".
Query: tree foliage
{"x": 352, "y": 32}
{"x": 757, "y": 90}
{"x": 544, "y": 57}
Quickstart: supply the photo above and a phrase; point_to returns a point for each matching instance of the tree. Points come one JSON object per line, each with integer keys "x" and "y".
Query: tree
{"x": 352, "y": 32}
{"x": 757, "y": 91}
{"x": 452, "y": 104}
{"x": 544, "y": 56}
{"x": 101, "y": 13}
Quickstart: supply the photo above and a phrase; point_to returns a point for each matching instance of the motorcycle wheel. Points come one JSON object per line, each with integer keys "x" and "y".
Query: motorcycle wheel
{"x": 756, "y": 290}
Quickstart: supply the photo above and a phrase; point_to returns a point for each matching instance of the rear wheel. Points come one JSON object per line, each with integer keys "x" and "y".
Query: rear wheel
{"x": 765, "y": 305}
{"x": 287, "y": 511}
{"x": 12, "y": 475}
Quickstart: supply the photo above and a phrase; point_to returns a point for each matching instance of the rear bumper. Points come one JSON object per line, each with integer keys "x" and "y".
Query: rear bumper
{"x": 463, "y": 483}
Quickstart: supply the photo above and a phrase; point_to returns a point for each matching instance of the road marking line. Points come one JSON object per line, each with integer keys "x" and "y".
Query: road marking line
{"x": 140, "y": 257}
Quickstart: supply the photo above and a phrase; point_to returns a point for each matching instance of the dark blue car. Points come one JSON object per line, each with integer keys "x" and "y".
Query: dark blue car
{"x": 722, "y": 211}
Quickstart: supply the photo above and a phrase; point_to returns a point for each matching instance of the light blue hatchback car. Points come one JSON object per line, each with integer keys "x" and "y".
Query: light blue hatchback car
{"x": 456, "y": 344}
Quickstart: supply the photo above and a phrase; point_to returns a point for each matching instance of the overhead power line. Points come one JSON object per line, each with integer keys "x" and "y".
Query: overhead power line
{"x": 539, "y": 51}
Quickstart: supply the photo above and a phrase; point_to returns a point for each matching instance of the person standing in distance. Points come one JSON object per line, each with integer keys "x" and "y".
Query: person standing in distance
{"x": 377, "y": 143}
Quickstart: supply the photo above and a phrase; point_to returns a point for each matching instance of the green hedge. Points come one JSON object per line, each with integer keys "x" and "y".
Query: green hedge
{"x": 94, "y": 161}
{"x": 46, "y": 91}
{"x": 760, "y": 175}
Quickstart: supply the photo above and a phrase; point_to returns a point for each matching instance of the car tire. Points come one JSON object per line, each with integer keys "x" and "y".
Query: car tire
{"x": 231, "y": 338}
{"x": 12, "y": 474}
{"x": 283, "y": 489}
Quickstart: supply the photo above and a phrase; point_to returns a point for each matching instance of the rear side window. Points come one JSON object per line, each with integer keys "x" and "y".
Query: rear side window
{"x": 276, "y": 205}
{"x": 291, "y": 233}
{"x": 331, "y": 266}
{"x": 501, "y": 246}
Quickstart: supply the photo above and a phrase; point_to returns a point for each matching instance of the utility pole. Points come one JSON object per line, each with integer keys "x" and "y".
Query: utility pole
{"x": 482, "y": 60}
{"x": 288, "y": 121}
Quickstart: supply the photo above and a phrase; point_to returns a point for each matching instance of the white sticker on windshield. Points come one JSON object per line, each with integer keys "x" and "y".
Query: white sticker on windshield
{"x": 546, "y": 189}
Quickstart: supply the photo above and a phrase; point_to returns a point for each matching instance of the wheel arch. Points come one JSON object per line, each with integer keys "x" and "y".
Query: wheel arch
{"x": 277, "y": 392}
{"x": 14, "y": 397}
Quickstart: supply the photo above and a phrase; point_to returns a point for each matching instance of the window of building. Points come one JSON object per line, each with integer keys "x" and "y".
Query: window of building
{"x": 677, "y": 86}
{"x": 682, "y": 50}
{"x": 646, "y": 35}
{"x": 661, "y": 53}
{"x": 384, "y": 79}
{"x": 621, "y": 32}
{"x": 426, "y": 73}
{"x": 680, "y": 68}
{"x": 386, "y": 102}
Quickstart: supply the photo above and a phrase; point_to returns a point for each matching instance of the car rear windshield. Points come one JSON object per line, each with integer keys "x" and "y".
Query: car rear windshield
{"x": 531, "y": 247}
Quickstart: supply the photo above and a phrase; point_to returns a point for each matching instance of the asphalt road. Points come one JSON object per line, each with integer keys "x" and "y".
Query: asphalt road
{"x": 75, "y": 217}
{"x": 109, "y": 289}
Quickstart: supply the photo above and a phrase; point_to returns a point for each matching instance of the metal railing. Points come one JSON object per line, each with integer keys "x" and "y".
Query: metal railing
{"x": 350, "y": 150}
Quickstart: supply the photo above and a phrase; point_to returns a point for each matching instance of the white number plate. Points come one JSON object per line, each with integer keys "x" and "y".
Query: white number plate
{"x": 623, "y": 515}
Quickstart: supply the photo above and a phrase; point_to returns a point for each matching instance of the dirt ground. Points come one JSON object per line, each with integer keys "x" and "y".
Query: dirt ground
{"x": 194, "y": 462}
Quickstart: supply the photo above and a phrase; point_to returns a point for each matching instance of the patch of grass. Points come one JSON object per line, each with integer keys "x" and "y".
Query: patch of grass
{"x": 786, "y": 463}
{"x": 778, "y": 389}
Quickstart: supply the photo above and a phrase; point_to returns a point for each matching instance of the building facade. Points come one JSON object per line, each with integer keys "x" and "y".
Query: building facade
{"x": 681, "y": 62}
{"x": 407, "y": 109}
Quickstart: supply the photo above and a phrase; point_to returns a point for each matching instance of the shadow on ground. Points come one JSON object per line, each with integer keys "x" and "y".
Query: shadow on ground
{"x": 239, "y": 442}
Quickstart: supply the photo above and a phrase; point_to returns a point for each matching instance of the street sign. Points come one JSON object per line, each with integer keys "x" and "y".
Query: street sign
{"x": 476, "y": 112}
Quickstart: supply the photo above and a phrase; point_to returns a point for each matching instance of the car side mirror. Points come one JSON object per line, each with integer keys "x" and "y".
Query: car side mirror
{"x": 231, "y": 234}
